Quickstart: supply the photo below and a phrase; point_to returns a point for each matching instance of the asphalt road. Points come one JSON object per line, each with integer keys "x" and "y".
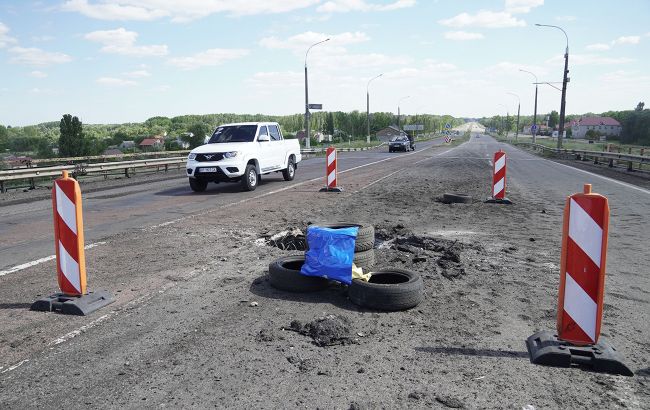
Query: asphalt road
{"x": 27, "y": 228}
{"x": 185, "y": 268}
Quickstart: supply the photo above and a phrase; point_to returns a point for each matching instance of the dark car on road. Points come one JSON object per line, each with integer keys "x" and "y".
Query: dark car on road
{"x": 400, "y": 143}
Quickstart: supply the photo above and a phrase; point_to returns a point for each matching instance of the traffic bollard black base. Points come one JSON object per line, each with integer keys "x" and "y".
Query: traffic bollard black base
{"x": 546, "y": 349}
{"x": 337, "y": 189}
{"x": 504, "y": 201}
{"x": 73, "y": 305}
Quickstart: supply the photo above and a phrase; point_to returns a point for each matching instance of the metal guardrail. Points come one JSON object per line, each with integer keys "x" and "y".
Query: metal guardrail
{"x": 103, "y": 167}
{"x": 595, "y": 155}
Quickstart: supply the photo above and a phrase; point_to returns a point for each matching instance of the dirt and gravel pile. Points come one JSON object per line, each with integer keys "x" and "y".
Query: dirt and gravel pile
{"x": 327, "y": 330}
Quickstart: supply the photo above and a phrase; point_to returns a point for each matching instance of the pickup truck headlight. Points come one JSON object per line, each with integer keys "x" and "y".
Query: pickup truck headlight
{"x": 191, "y": 156}
{"x": 231, "y": 154}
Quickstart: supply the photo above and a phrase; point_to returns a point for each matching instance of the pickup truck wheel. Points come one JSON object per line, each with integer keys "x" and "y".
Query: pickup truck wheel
{"x": 250, "y": 178}
{"x": 284, "y": 274}
{"x": 290, "y": 172}
{"x": 197, "y": 185}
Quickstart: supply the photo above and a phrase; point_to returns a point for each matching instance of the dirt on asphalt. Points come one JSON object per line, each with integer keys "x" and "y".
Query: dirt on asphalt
{"x": 197, "y": 324}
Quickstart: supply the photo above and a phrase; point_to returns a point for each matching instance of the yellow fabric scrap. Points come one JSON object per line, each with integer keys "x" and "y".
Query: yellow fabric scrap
{"x": 357, "y": 273}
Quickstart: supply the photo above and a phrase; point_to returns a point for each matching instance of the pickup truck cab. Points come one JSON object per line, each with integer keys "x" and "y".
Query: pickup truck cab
{"x": 241, "y": 153}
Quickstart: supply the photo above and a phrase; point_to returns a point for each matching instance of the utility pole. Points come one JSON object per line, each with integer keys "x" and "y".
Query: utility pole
{"x": 399, "y": 113}
{"x": 368, "y": 107}
{"x": 534, "y": 131}
{"x": 564, "y": 84}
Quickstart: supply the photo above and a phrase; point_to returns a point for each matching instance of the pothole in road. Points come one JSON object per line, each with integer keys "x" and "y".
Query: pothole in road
{"x": 292, "y": 239}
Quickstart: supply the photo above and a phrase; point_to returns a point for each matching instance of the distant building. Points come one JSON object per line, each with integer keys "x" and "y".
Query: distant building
{"x": 605, "y": 126}
{"x": 127, "y": 144}
{"x": 156, "y": 143}
{"x": 386, "y": 134}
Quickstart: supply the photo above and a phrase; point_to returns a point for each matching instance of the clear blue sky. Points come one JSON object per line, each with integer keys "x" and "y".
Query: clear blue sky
{"x": 115, "y": 61}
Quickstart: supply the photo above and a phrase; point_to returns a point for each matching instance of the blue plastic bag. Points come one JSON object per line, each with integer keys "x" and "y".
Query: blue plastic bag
{"x": 330, "y": 254}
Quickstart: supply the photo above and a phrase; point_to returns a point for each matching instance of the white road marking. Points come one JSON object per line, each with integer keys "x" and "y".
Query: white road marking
{"x": 23, "y": 266}
{"x": 14, "y": 367}
{"x": 625, "y": 184}
{"x": 79, "y": 331}
{"x": 380, "y": 179}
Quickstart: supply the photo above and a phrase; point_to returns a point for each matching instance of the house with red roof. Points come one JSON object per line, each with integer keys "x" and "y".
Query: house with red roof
{"x": 155, "y": 143}
{"x": 604, "y": 126}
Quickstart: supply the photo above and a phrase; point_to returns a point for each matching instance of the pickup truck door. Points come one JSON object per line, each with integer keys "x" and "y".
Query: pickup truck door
{"x": 277, "y": 146}
{"x": 265, "y": 154}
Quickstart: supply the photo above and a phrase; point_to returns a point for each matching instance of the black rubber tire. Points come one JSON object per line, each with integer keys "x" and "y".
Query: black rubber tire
{"x": 456, "y": 198}
{"x": 284, "y": 274}
{"x": 389, "y": 289}
{"x": 364, "y": 259}
{"x": 197, "y": 185}
{"x": 246, "y": 183}
{"x": 365, "y": 236}
{"x": 390, "y": 150}
{"x": 289, "y": 173}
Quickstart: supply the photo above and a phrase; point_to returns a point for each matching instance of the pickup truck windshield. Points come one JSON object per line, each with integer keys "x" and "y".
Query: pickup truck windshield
{"x": 234, "y": 133}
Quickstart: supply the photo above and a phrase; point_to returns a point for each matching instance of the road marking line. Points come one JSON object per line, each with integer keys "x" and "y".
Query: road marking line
{"x": 79, "y": 331}
{"x": 23, "y": 266}
{"x": 14, "y": 367}
{"x": 380, "y": 179}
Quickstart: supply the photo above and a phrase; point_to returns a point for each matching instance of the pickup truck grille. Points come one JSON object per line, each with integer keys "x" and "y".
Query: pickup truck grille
{"x": 217, "y": 156}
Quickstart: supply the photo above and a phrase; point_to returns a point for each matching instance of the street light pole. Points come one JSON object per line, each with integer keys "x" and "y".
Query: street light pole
{"x": 307, "y": 113}
{"x": 534, "y": 132}
{"x": 518, "y": 111}
{"x": 564, "y": 83}
{"x": 399, "y": 114}
{"x": 368, "y": 106}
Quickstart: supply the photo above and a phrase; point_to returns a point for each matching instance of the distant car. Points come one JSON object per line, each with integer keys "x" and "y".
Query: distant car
{"x": 400, "y": 143}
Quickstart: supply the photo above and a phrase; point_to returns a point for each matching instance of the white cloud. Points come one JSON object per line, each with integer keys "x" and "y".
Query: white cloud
{"x": 627, "y": 40}
{"x": 212, "y": 57}
{"x": 121, "y": 41}
{"x": 344, "y": 6}
{"x": 566, "y": 18}
{"x": 137, "y": 74}
{"x": 37, "y": 90}
{"x": 300, "y": 42}
{"x": 510, "y": 69}
{"x": 162, "y": 88}
{"x": 589, "y": 59}
{"x": 37, "y": 57}
{"x": 598, "y": 47}
{"x": 485, "y": 19}
{"x": 41, "y": 39}
{"x": 625, "y": 77}
{"x": 276, "y": 79}
{"x": 522, "y": 6}
{"x": 463, "y": 35}
{"x": 5, "y": 39}
{"x": 38, "y": 74}
{"x": 115, "y": 82}
{"x": 179, "y": 11}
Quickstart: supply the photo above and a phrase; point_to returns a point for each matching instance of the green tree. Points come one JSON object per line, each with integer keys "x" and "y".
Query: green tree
{"x": 199, "y": 131}
{"x": 639, "y": 106}
{"x": 329, "y": 124}
{"x": 4, "y": 138}
{"x": 553, "y": 119}
{"x": 71, "y": 139}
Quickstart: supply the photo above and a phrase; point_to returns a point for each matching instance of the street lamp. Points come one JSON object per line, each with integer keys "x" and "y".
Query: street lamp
{"x": 307, "y": 114}
{"x": 518, "y": 111}
{"x": 368, "y": 106}
{"x": 564, "y": 82}
{"x": 399, "y": 116}
{"x": 534, "y": 131}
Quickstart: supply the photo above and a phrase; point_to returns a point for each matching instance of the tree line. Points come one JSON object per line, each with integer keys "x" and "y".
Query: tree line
{"x": 73, "y": 138}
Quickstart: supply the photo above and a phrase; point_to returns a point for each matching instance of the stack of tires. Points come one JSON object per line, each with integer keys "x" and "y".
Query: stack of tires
{"x": 388, "y": 289}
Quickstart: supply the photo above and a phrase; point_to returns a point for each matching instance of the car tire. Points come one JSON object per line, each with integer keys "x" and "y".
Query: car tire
{"x": 390, "y": 150}
{"x": 456, "y": 198}
{"x": 250, "y": 179}
{"x": 284, "y": 274}
{"x": 289, "y": 173}
{"x": 364, "y": 259}
{"x": 389, "y": 290}
{"x": 365, "y": 236}
{"x": 197, "y": 185}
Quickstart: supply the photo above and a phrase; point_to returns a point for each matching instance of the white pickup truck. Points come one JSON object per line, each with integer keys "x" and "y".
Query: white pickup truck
{"x": 241, "y": 153}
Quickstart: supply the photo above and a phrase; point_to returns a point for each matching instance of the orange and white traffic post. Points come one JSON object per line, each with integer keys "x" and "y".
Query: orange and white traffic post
{"x": 331, "y": 172}
{"x": 582, "y": 267}
{"x": 70, "y": 255}
{"x": 499, "y": 179}
{"x": 582, "y": 285}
